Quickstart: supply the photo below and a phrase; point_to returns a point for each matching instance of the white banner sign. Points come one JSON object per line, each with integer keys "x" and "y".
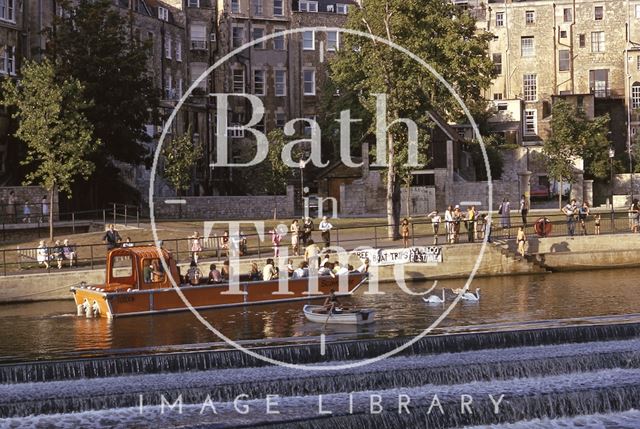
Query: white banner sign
{"x": 419, "y": 255}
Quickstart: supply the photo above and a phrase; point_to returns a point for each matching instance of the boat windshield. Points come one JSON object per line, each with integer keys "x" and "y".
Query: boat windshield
{"x": 121, "y": 267}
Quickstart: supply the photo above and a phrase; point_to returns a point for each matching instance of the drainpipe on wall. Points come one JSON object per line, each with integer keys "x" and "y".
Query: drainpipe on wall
{"x": 628, "y": 98}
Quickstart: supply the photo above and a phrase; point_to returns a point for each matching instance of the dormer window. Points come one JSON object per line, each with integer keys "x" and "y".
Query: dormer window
{"x": 342, "y": 8}
{"x": 163, "y": 14}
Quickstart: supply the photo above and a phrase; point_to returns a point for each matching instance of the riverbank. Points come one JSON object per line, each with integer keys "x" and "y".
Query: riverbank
{"x": 499, "y": 259}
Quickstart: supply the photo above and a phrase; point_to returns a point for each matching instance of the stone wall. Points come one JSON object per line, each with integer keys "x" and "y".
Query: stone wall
{"x": 479, "y": 191}
{"x": 32, "y": 194}
{"x": 231, "y": 207}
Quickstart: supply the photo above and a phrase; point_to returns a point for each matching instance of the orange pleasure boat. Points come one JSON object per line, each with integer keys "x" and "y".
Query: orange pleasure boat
{"x": 133, "y": 288}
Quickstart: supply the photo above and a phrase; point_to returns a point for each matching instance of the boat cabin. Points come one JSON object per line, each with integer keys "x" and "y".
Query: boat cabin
{"x": 139, "y": 268}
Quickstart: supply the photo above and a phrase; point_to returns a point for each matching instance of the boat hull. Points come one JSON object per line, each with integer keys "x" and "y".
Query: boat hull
{"x": 166, "y": 300}
{"x": 361, "y": 317}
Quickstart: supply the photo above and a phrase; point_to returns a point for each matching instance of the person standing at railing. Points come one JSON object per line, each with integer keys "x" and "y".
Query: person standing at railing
{"x": 404, "y": 230}
{"x": 294, "y": 228}
{"x": 42, "y": 254}
{"x": 524, "y": 209}
{"x": 196, "y": 246}
{"x": 111, "y": 238}
{"x": 435, "y": 224}
{"x": 471, "y": 224}
{"x": 325, "y": 227}
{"x": 44, "y": 209}
{"x": 504, "y": 210}
{"x": 26, "y": 212}
{"x": 583, "y": 213}
{"x": 570, "y": 210}
{"x": 635, "y": 215}
{"x": 307, "y": 227}
{"x": 448, "y": 223}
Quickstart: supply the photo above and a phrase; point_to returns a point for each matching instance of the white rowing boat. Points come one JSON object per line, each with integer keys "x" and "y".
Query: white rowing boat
{"x": 318, "y": 314}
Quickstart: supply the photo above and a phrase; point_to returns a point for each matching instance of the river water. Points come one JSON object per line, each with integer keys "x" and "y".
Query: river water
{"x": 51, "y": 330}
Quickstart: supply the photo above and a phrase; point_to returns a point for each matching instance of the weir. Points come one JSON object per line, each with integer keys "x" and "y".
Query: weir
{"x": 307, "y": 353}
{"x": 558, "y": 372}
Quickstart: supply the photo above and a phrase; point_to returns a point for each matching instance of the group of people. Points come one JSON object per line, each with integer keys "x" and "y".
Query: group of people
{"x": 58, "y": 252}
{"x": 476, "y": 224}
{"x": 10, "y": 207}
{"x": 575, "y": 212}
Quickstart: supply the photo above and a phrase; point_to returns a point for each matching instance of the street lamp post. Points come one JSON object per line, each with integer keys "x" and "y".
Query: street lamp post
{"x": 302, "y": 164}
{"x": 612, "y": 154}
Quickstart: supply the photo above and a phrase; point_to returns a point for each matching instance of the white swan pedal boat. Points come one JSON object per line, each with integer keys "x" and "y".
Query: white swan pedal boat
{"x": 318, "y": 314}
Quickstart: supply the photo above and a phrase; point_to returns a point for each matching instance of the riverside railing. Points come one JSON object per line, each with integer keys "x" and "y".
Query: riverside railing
{"x": 20, "y": 260}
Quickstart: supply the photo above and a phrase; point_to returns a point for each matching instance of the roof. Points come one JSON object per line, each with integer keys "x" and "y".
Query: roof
{"x": 444, "y": 126}
{"x": 148, "y": 252}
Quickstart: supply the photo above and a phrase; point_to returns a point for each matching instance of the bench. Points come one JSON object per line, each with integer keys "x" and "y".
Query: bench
{"x": 26, "y": 256}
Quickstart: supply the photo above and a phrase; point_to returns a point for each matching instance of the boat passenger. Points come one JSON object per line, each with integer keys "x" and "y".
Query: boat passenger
{"x": 326, "y": 270}
{"x": 225, "y": 270}
{"x": 290, "y": 268}
{"x": 364, "y": 268}
{"x": 214, "y": 274}
{"x": 128, "y": 242}
{"x": 342, "y": 269}
{"x": 269, "y": 272}
{"x": 146, "y": 273}
{"x": 302, "y": 271}
{"x": 157, "y": 272}
{"x": 255, "y": 274}
{"x": 194, "y": 274}
{"x": 311, "y": 256}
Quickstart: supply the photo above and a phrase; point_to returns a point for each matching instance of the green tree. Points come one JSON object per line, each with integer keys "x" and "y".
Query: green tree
{"x": 180, "y": 156}
{"x": 440, "y": 33}
{"x": 94, "y": 43}
{"x": 52, "y": 124}
{"x": 573, "y": 136}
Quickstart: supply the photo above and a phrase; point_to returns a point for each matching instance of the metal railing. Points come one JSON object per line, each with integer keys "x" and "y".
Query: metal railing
{"x": 16, "y": 261}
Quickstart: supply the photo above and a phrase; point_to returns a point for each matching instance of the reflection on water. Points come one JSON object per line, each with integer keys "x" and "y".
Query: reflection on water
{"x": 51, "y": 329}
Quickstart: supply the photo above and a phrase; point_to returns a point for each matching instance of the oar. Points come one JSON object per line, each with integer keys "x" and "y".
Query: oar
{"x": 328, "y": 315}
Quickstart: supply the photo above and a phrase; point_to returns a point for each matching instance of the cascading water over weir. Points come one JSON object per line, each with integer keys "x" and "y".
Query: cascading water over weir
{"x": 441, "y": 381}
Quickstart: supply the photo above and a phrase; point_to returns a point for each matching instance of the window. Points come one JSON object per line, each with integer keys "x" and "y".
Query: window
{"x": 237, "y": 36}
{"x": 307, "y": 125}
{"x": 256, "y": 6}
{"x": 281, "y": 83}
{"x": 150, "y": 39}
{"x": 278, "y": 41}
{"x": 238, "y": 81}
{"x": 308, "y": 41}
{"x": 530, "y": 87}
{"x": 567, "y": 14}
{"x": 281, "y": 119}
{"x": 278, "y": 7}
{"x": 197, "y": 70}
{"x": 530, "y": 124}
{"x": 194, "y": 3}
{"x": 638, "y": 62}
{"x": 307, "y": 6}
{"x": 163, "y": 13}
{"x": 597, "y": 41}
{"x": 527, "y": 48}
{"x": 342, "y": 8}
{"x": 258, "y": 82}
{"x": 7, "y": 10}
{"x": 168, "y": 86}
{"x": 599, "y": 82}
{"x": 8, "y": 60}
{"x": 198, "y": 36}
{"x": 167, "y": 48}
{"x": 580, "y": 103}
{"x": 497, "y": 63}
{"x": 258, "y": 32}
{"x": 178, "y": 50}
{"x": 309, "y": 80}
{"x": 582, "y": 40}
{"x": 499, "y": 19}
{"x": 235, "y": 6}
{"x": 598, "y": 13}
{"x": 564, "y": 60}
{"x": 530, "y": 17}
{"x": 332, "y": 41}
{"x": 563, "y": 34}
{"x": 179, "y": 87}
{"x": 330, "y": 8}
{"x": 638, "y": 11}
{"x": 497, "y": 96}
